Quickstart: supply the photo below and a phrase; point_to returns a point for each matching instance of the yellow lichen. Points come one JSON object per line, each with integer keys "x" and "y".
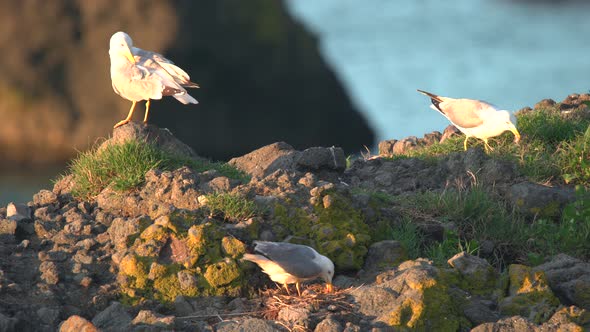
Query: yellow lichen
{"x": 232, "y": 246}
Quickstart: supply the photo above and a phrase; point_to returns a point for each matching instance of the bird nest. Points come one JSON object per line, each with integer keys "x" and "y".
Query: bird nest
{"x": 314, "y": 298}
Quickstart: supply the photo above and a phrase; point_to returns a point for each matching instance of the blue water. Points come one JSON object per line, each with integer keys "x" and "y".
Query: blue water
{"x": 509, "y": 53}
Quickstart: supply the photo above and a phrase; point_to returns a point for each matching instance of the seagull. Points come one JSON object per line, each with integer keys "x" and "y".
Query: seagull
{"x": 138, "y": 74}
{"x": 475, "y": 118}
{"x": 288, "y": 263}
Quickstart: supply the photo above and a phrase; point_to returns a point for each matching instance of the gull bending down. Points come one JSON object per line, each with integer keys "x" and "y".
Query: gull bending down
{"x": 138, "y": 75}
{"x": 474, "y": 118}
{"x": 288, "y": 263}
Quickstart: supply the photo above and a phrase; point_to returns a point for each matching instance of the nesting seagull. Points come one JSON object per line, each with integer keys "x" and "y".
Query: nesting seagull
{"x": 475, "y": 118}
{"x": 138, "y": 75}
{"x": 288, "y": 263}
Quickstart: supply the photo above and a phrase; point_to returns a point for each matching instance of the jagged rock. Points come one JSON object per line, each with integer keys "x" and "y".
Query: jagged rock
{"x": 8, "y": 226}
{"x": 121, "y": 229}
{"x": 148, "y": 317}
{"x": 384, "y": 255}
{"x": 410, "y": 174}
{"x": 545, "y": 104}
{"x": 449, "y": 132}
{"x": 511, "y": 324}
{"x": 160, "y": 137}
{"x": 397, "y": 147}
{"x": 529, "y": 295}
{"x": 477, "y": 272}
{"x": 404, "y": 145}
{"x": 247, "y": 325}
{"x": 569, "y": 278}
{"x": 76, "y": 323}
{"x": 44, "y": 197}
{"x": 49, "y": 272}
{"x": 570, "y": 319}
{"x": 329, "y": 324}
{"x": 7, "y": 323}
{"x": 318, "y": 158}
{"x": 480, "y": 310}
{"x": 63, "y": 187}
{"x": 565, "y": 320}
{"x": 48, "y": 316}
{"x": 176, "y": 188}
{"x": 114, "y": 318}
{"x": 350, "y": 327}
{"x": 539, "y": 200}
{"x": 295, "y": 316}
{"x": 386, "y": 147}
{"x": 266, "y": 160}
{"x": 412, "y": 295}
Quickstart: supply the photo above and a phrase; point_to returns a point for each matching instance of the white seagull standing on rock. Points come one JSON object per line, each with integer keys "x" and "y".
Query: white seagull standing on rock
{"x": 138, "y": 75}
{"x": 288, "y": 263}
{"x": 474, "y": 118}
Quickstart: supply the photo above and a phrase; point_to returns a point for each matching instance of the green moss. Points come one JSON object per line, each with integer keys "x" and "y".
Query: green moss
{"x": 167, "y": 287}
{"x": 222, "y": 273}
{"x": 430, "y": 309}
{"x": 339, "y": 231}
{"x": 232, "y": 247}
{"x": 529, "y": 295}
{"x": 203, "y": 242}
{"x": 205, "y": 253}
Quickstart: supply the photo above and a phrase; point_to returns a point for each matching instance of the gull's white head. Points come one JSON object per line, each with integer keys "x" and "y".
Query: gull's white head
{"x": 508, "y": 122}
{"x": 327, "y": 271}
{"x": 121, "y": 44}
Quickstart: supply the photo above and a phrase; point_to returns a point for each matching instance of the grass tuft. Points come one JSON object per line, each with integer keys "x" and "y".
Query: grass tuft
{"x": 123, "y": 167}
{"x": 231, "y": 206}
{"x": 475, "y": 216}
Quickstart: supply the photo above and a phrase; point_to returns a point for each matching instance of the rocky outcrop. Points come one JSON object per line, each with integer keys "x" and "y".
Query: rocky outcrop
{"x": 167, "y": 255}
{"x": 59, "y": 77}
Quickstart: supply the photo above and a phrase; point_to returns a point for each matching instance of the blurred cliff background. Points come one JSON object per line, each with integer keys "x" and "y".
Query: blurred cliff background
{"x": 308, "y": 72}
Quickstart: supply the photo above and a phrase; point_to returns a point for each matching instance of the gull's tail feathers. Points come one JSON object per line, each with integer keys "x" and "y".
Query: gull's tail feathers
{"x": 185, "y": 98}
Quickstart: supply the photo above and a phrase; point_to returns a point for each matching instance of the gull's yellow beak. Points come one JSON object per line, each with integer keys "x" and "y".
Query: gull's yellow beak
{"x": 129, "y": 55}
{"x": 329, "y": 288}
{"x": 516, "y": 134}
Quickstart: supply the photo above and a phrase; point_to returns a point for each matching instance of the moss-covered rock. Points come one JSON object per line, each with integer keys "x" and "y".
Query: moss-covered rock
{"x": 222, "y": 273}
{"x": 413, "y": 296}
{"x": 167, "y": 260}
{"x": 476, "y": 275}
{"x": 336, "y": 229}
{"x": 529, "y": 295}
{"x": 232, "y": 247}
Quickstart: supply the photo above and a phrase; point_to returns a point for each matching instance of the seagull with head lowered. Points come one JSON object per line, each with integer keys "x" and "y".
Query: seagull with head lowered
{"x": 138, "y": 74}
{"x": 474, "y": 118}
{"x": 288, "y": 263}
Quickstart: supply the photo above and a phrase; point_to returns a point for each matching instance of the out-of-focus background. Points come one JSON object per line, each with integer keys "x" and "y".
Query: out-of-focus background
{"x": 308, "y": 72}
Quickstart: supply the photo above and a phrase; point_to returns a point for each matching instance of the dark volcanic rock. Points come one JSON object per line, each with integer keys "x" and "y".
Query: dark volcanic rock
{"x": 569, "y": 278}
{"x": 539, "y": 200}
{"x": 318, "y": 158}
{"x": 114, "y": 318}
{"x": 247, "y": 325}
{"x": 266, "y": 160}
{"x": 251, "y": 92}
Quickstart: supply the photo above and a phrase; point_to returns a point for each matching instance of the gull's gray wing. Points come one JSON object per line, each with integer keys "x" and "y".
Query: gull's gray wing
{"x": 466, "y": 113}
{"x": 157, "y": 62}
{"x": 298, "y": 260}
